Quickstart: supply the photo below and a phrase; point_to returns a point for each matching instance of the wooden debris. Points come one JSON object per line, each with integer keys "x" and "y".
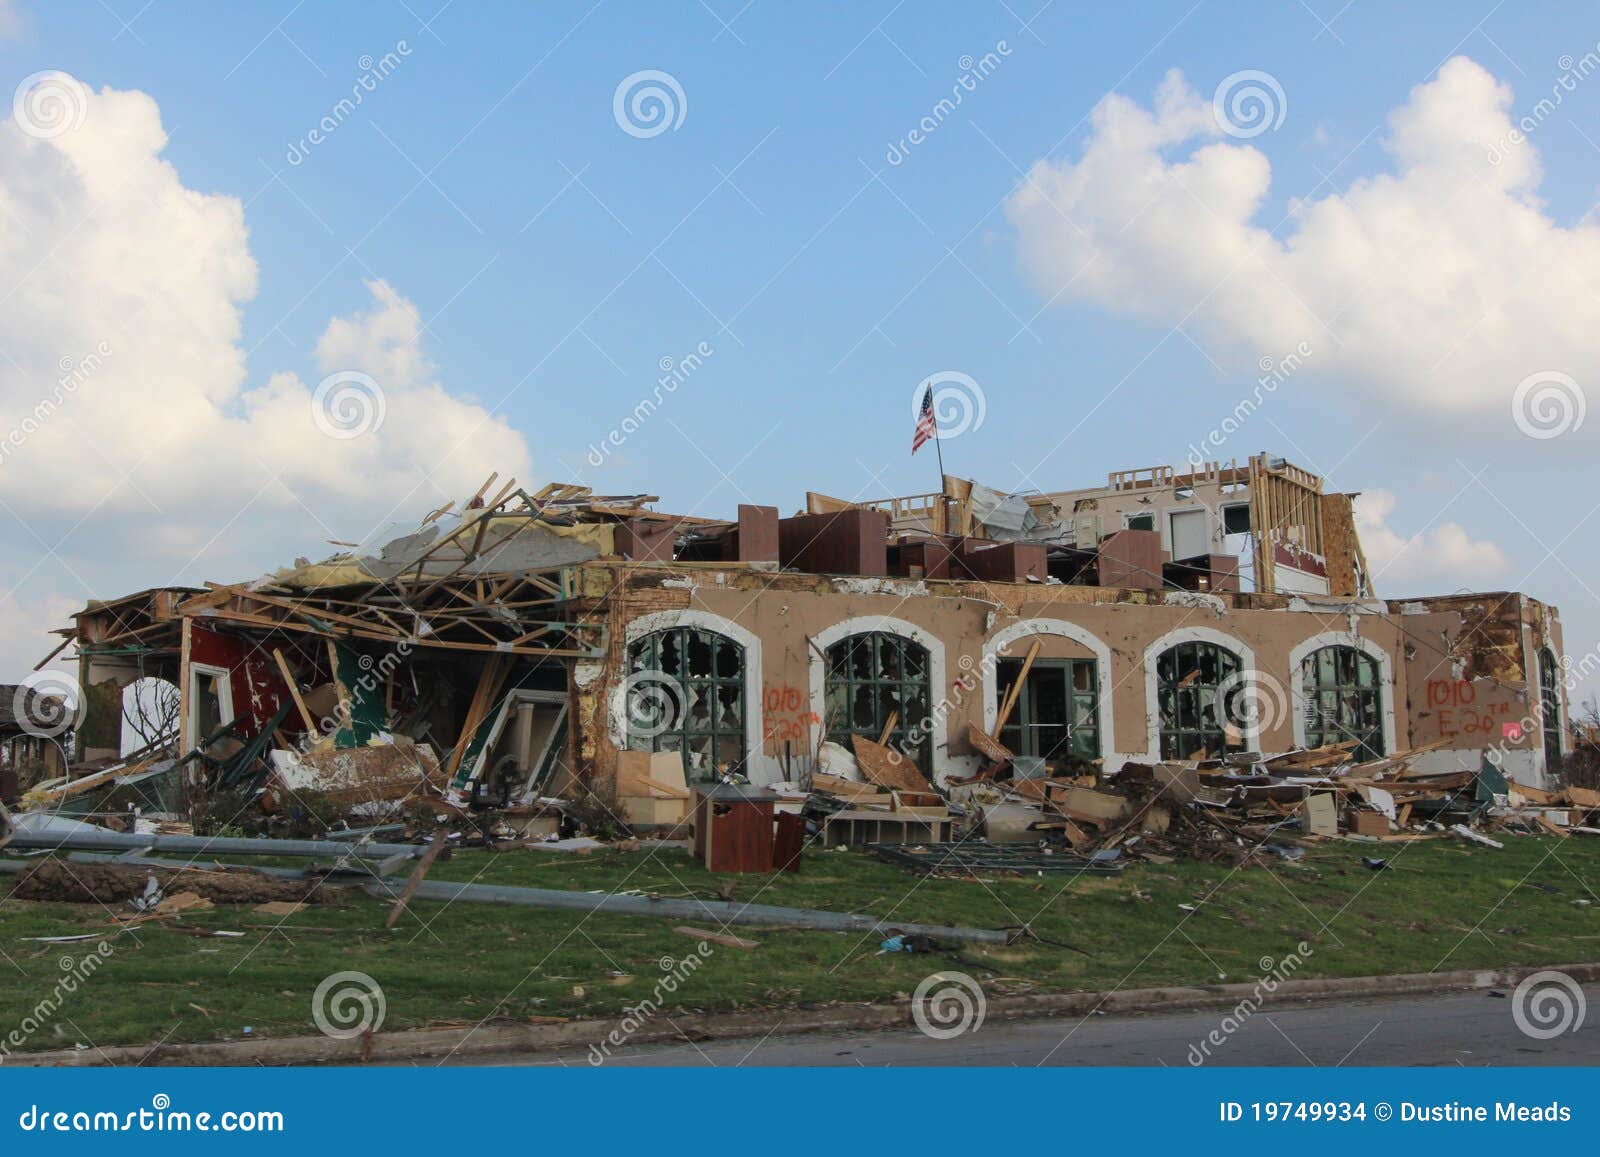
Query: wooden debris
{"x": 722, "y": 938}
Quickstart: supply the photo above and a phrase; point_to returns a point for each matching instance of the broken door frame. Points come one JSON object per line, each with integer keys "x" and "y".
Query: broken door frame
{"x": 513, "y": 697}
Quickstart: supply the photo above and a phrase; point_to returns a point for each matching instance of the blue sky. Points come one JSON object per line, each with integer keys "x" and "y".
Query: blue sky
{"x": 554, "y": 259}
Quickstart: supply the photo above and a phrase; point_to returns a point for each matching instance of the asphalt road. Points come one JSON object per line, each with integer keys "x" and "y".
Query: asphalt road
{"x": 1468, "y": 1029}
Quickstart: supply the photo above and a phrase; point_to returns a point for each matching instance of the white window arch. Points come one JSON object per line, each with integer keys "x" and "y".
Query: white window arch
{"x": 867, "y": 624}
{"x": 1003, "y": 638}
{"x": 1342, "y": 639}
{"x": 759, "y": 767}
{"x": 1152, "y": 698}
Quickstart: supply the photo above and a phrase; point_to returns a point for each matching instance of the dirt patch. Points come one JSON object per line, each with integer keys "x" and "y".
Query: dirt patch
{"x": 56, "y": 881}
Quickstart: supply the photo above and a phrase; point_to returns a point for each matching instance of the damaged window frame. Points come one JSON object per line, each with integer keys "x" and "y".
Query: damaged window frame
{"x": 721, "y": 684}
{"x": 1189, "y": 719}
{"x": 1081, "y": 745}
{"x": 1324, "y": 683}
{"x": 1550, "y": 709}
{"x": 888, "y": 692}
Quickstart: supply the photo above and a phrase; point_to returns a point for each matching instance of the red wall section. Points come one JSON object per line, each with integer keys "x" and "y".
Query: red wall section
{"x": 258, "y": 689}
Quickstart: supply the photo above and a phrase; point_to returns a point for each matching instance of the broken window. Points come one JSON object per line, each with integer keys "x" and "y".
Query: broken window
{"x": 1057, "y": 716}
{"x": 1550, "y": 709}
{"x": 686, "y": 693}
{"x": 1201, "y": 701}
{"x": 1344, "y": 700}
{"x": 1236, "y": 518}
{"x": 877, "y": 677}
{"x": 210, "y": 701}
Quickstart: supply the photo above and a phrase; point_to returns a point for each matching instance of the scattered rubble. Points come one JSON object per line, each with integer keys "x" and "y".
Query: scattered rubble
{"x": 55, "y": 881}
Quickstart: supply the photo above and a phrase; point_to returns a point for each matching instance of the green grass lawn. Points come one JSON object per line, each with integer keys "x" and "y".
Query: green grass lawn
{"x": 1443, "y": 905}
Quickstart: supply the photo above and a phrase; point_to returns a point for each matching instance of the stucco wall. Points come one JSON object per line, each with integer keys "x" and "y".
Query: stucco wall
{"x": 787, "y": 620}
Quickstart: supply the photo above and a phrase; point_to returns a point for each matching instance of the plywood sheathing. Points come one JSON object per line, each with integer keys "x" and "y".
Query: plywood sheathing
{"x": 1347, "y": 564}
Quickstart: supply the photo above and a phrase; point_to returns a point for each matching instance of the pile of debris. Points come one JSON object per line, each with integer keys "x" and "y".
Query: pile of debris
{"x": 1246, "y": 807}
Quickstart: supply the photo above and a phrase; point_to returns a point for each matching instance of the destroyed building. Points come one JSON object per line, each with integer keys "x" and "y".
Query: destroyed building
{"x": 509, "y": 649}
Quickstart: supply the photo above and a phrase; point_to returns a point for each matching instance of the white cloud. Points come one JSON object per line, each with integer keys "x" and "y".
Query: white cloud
{"x": 1442, "y": 556}
{"x": 25, "y": 626}
{"x": 132, "y": 286}
{"x": 1440, "y": 285}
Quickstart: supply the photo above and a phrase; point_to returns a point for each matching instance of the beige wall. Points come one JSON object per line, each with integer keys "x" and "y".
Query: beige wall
{"x": 785, "y": 620}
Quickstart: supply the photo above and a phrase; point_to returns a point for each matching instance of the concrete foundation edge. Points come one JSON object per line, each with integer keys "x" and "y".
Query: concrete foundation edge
{"x": 438, "y": 1045}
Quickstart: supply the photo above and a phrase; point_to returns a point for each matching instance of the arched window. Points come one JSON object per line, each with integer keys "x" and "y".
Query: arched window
{"x": 1344, "y": 700}
{"x": 1056, "y": 717}
{"x": 1550, "y": 709}
{"x": 873, "y": 679}
{"x": 1200, "y": 693}
{"x": 685, "y": 692}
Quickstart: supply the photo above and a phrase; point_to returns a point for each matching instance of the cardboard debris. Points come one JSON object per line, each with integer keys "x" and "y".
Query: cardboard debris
{"x": 887, "y": 768}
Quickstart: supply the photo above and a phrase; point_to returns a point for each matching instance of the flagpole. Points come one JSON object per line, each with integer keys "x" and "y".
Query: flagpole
{"x": 938, "y": 447}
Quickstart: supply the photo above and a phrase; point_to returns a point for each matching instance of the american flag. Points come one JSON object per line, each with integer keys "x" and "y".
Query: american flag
{"x": 926, "y": 427}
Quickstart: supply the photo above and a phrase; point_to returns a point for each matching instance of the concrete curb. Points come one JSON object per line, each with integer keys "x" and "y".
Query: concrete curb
{"x": 462, "y": 1042}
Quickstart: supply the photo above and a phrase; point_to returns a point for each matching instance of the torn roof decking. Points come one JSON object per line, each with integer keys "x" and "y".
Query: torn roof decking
{"x": 496, "y": 582}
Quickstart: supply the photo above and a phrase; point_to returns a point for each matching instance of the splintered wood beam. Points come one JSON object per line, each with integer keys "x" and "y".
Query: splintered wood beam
{"x": 1015, "y": 693}
{"x": 294, "y": 690}
{"x": 435, "y": 846}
